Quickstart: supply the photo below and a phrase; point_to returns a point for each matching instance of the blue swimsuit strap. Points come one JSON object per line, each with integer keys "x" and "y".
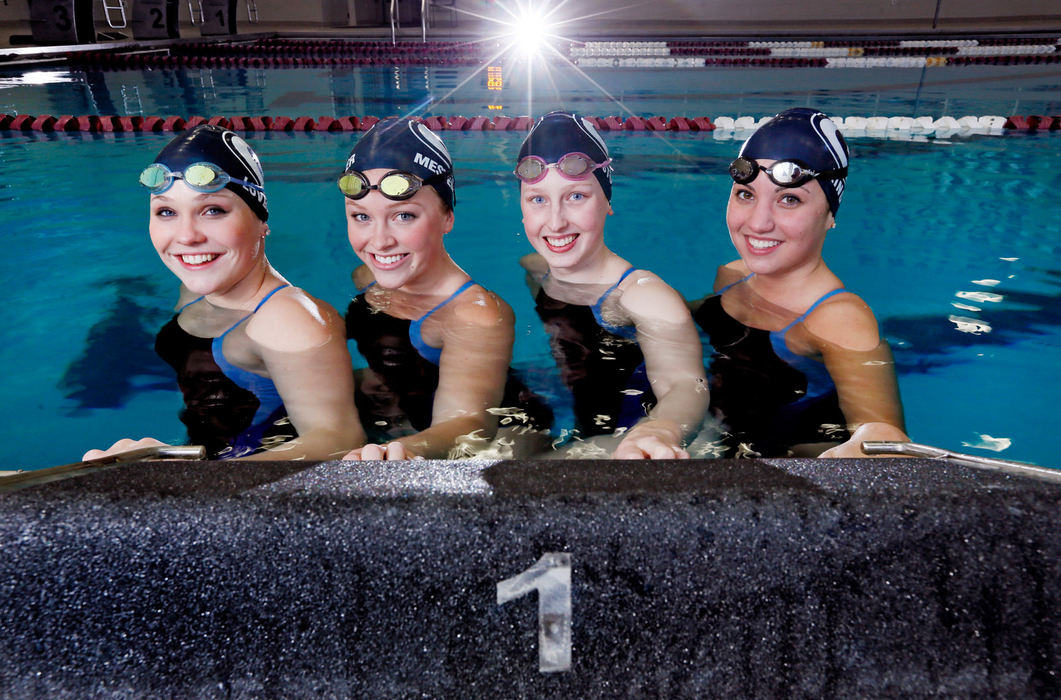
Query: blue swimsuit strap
{"x": 260, "y": 303}
{"x": 802, "y": 317}
{"x": 430, "y": 352}
{"x": 260, "y": 386}
{"x": 819, "y": 381}
{"x": 451, "y": 297}
{"x": 624, "y": 331}
{"x": 190, "y": 303}
{"x": 734, "y": 284}
{"x": 799, "y": 319}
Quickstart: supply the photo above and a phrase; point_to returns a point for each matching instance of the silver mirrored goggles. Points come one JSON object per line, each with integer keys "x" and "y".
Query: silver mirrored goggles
{"x": 783, "y": 173}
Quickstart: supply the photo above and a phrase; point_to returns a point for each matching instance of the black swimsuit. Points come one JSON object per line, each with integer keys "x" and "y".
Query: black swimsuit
{"x": 768, "y": 397}
{"x": 230, "y": 419}
{"x": 403, "y": 375}
{"x": 601, "y": 364}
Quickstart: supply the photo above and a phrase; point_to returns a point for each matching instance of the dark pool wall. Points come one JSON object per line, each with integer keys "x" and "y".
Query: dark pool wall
{"x": 605, "y": 17}
{"x": 779, "y": 578}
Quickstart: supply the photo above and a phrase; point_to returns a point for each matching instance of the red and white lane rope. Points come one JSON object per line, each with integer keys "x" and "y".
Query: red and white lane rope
{"x": 723, "y": 126}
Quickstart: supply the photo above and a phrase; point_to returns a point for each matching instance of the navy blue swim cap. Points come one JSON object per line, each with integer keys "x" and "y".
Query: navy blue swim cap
{"x": 559, "y": 133}
{"x": 408, "y": 145}
{"x": 225, "y": 149}
{"x": 805, "y": 135}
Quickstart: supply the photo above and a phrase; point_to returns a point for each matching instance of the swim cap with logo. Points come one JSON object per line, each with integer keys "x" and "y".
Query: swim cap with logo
{"x": 406, "y": 144}
{"x": 808, "y": 136}
{"x": 225, "y": 149}
{"x": 558, "y": 133}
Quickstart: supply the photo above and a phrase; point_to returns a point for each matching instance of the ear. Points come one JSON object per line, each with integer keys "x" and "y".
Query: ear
{"x": 447, "y": 222}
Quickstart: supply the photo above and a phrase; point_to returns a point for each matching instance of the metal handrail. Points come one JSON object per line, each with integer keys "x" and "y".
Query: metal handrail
{"x": 394, "y": 22}
{"x": 252, "y": 12}
{"x": 913, "y": 449}
{"x": 191, "y": 10}
{"x": 140, "y": 454}
{"x": 128, "y": 95}
{"x": 423, "y": 19}
{"x": 119, "y": 5}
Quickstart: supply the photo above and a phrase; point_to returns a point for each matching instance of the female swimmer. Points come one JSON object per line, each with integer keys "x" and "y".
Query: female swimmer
{"x": 798, "y": 364}
{"x": 262, "y": 365}
{"x": 624, "y": 341}
{"x": 437, "y": 344}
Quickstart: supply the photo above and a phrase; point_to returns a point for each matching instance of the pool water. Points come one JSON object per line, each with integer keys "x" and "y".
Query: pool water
{"x": 510, "y": 89}
{"x": 951, "y": 241}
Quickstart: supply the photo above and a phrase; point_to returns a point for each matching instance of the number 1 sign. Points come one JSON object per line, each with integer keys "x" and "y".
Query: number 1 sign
{"x": 551, "y": 576}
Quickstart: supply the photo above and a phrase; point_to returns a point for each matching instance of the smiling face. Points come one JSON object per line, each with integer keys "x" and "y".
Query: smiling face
{"x": 778, "y": 230}
{"x": 400, "y": 241}
{"x": 211, "y": 242}
{"x": 564, "y": 220}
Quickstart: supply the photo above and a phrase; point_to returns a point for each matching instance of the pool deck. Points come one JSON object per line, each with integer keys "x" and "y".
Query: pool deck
{"x": 735, "y": 578}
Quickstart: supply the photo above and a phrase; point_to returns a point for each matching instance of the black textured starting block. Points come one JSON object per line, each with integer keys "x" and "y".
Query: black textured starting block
{"x": 758, "y": 578}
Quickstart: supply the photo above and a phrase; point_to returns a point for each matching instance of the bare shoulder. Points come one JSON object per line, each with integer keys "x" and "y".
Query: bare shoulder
{"x": 534, "y": 264}
{"x": 480, "y": 308}
{"x": 845, "y": 320}
{"x": 730, "y": 273}
{"x": 292, "y": 321}
{"x": 536, "y": 269}
{"x": 362, "y": 276}
{"x": 645, "y": 294}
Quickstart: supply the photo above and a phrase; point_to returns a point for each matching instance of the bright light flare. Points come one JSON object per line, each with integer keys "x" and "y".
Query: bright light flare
{"x": 530, "y": 33}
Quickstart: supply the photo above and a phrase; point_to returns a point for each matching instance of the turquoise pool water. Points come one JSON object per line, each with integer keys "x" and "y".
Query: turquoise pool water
{"x": 449, "y": 90}
{"x": 952, "y": 241}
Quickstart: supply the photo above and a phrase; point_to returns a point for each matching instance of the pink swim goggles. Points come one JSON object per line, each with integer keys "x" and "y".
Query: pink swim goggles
{"x": 573, "y": 166}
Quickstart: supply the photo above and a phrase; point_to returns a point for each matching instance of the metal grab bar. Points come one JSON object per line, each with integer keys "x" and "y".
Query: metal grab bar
{"x": 913, "y": 449}
{"x": 423, "y": 18}
{"x": 119, "y": 5}
{"x": 394, "y": 22}
{"x": 191, "y": 9}
{"x": 252, "y": 12}
{"x": 190, "y": 452}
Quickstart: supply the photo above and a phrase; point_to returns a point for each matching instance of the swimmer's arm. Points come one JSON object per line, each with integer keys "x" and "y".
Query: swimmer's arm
{"x": 870, "y": 432}
{"x": 476, "y": 352}
{"x": 674, "y": 362}
{"x": 312, "y": 372}
{"x": 861, "y": 365}
{"x": 123, "y": 445}
{"x": 302, "y": 343}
